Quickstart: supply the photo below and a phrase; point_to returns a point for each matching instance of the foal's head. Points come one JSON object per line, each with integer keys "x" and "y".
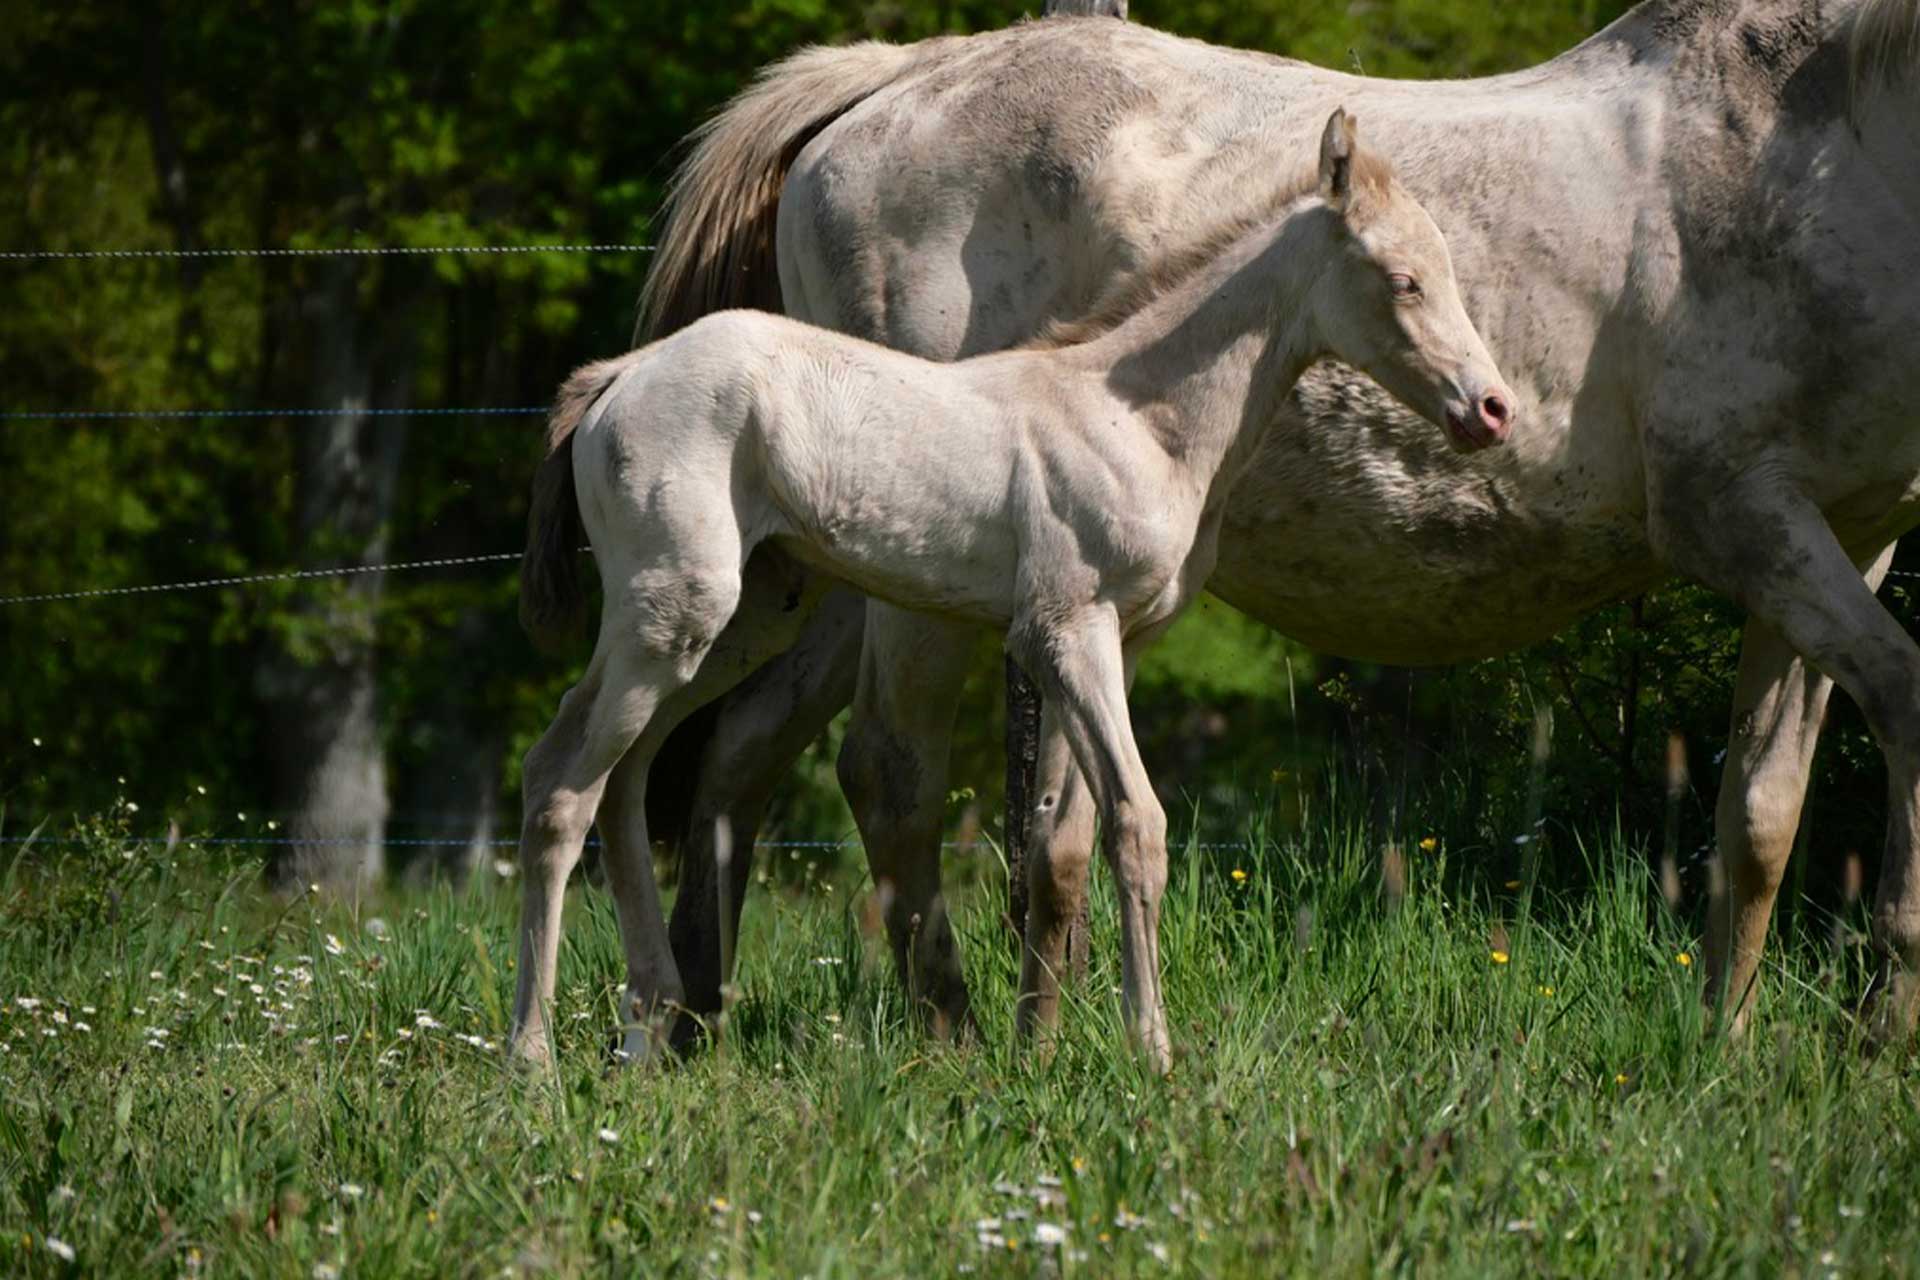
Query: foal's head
{"x": 1386, "y": 301}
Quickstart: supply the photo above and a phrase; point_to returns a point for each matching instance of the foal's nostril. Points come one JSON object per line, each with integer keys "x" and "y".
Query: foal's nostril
{"x": 1495, "y": 411}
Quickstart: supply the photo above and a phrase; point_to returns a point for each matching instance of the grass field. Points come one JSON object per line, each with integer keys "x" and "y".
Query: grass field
{"x": 1476, "y": 1079}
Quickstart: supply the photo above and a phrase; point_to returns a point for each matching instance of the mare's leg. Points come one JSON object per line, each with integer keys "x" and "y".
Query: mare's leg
{"x": 1059, "y": 848}
{"x": 1779, "y": 701}
{"x": 893, "y": 770}
{"x": 1082, "y": 671}
{"x": 1810, "y": 591}
{"x": 756, "y": 732}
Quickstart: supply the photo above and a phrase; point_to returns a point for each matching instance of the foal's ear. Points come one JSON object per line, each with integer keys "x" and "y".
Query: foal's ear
{"x": 1337, "y": 147}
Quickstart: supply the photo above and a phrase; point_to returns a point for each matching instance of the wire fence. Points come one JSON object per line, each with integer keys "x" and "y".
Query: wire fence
{"x": 341, "y": 251}
{"x": 337, "y": 411}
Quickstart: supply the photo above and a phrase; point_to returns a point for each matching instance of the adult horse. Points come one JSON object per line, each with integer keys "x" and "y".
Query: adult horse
{"x": 1692, "y": 242}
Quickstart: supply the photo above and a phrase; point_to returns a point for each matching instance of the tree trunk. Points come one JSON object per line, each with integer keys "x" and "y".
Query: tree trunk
{"x": 329, "y": 764}
{"x": 451, "y": 795}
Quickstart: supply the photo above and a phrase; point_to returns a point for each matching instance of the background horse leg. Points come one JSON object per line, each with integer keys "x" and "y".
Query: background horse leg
{"x": 893, "y": 771}
{"x": 1083, "y": 672}
{"x": 743, "y": 749}
{"x": 1060, "y": 847}
{"x": 1810, "y": 591}
{"x": 1779, "y": 703}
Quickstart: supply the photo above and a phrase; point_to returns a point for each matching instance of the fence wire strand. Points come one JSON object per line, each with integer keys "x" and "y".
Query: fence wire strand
{"x": 79, "y": 415}
{"x": 344, "y": 251}
{"x": 289, "y": 575}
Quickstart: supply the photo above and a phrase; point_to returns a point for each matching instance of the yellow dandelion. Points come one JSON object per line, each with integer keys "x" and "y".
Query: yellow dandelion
{"x": 1499, "y": 957}
{"x": 1239, "y": 876}
{"x": 1684, "y": 959}
{"x": 1429, "y": 844}
{"x": 1513, "y": 884}
{"x": 1620, "y": 1078}
{"x": 1546, "y": 991}
{"x": 1079, "y": 1165}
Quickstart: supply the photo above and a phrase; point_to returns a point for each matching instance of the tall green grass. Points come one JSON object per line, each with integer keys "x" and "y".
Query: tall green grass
{"x": 1475, "y": 1075}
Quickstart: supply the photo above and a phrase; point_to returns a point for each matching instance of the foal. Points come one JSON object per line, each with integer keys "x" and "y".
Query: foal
{"x": 1069, "y": 494}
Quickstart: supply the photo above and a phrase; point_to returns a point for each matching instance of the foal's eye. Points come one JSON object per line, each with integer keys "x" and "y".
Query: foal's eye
{"x": 1403, "y": 286}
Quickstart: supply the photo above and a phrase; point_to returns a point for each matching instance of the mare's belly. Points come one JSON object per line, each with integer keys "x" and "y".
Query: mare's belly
{"x": 1368, "y": 537}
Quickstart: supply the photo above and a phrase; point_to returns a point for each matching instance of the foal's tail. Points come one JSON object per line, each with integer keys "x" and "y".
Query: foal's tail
{"x": 552, "y": 604}
{"x": 717, "y": 250}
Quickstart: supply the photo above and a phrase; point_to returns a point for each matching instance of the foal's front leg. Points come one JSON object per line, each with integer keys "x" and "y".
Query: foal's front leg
{"x": 1083, "y": 672}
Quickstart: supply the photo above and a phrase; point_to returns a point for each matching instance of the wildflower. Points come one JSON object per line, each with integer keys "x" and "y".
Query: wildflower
{"x": 1079, "y": 1165}
{"x": 60, "y": 1249}
{"x": 1429, "y": 844}
{"x": 36, "y": 742}
{"x": 427, "y": 1021}
{"x": 1684, "y": 959}
{"x": 326, "y": 1270}
{"x": 1499, "y": 957}
{"x": 1239, "y": 876}
{"x": 1513, "y": 884}
{"x": 352, "y": 1190}
{"x": 1049, "y": 1235}
{"x": 201, "y": 789}
{"x": 609, "y": 1136}
{"x": 132, "y": 807}
{"x": 334, "y": 946}
{"x": 720, "y": 1205}
{"x": 1545, "y": 991}
{"x": 1621, "y": 1078}
{"x": 503, "y": 868}
{"x": 83, "y": 1027}
{"x": 1280, "y": 775}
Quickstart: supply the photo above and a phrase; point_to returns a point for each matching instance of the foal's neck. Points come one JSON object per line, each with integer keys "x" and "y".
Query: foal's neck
{"x": 1206, "y": 365}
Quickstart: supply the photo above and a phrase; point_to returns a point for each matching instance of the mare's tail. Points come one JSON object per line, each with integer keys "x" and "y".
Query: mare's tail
{"x": 717, "y": 250}
{"x": 553, "y": 605}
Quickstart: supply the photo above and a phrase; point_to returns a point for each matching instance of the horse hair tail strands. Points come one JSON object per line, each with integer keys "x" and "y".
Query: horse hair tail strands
{"x": 717, "y": 249}
{"x": 1883, "y": 46}
{"x": 553, "y": 606}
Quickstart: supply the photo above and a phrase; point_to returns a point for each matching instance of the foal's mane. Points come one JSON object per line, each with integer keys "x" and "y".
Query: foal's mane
{"x": 1371, "y": 176}
{"x": 1883, "y": 46}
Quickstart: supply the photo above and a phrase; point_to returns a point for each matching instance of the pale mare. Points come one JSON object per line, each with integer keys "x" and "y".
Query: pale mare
{"x": 1692, "y": 243}
{"x": 1069, "y": 494}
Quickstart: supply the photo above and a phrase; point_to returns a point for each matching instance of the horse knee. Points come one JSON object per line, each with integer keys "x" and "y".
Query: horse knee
{"x": 1757, "y": 831}
{"x": 1139, "y": 841}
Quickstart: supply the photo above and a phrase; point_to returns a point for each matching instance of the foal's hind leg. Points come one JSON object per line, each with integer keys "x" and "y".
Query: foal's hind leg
{"x": 1082, "y": 670}
{"x": 1778, "y": 704}
{"x": 642, "y": 656}
{"x": 893, "y": 770}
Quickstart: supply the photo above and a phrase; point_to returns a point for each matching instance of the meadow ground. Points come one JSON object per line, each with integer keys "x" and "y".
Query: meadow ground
{"x": 1485, "y": 1077}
